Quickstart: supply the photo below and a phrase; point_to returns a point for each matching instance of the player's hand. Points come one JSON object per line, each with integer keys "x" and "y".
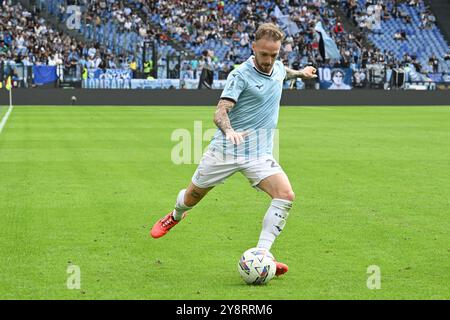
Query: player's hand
{"x": 309, "y": 72}
{"x": 235, "y": 137}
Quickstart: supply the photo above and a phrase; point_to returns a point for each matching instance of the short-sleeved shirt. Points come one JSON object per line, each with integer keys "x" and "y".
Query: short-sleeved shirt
{"x": 257, "y": 96}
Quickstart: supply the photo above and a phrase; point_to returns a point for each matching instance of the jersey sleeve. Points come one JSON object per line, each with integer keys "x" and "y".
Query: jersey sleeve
{"x": 234, "y": 86}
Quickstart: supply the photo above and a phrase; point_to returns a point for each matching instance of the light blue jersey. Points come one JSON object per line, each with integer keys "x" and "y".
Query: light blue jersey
{"x": 257, "y": 96}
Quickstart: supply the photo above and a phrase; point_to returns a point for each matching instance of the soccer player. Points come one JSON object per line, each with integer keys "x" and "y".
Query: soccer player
{"x": 246, "y": 117}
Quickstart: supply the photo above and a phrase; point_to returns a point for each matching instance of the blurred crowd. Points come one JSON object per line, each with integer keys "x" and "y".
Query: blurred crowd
{"x": 219, "y": 33}
{"x": 197, "y": 22}
{"x": 29, "y": 39}
{"x": 368, "y": 19}
{"x": 195, "y": 27}
{"x": 370, "y": 16}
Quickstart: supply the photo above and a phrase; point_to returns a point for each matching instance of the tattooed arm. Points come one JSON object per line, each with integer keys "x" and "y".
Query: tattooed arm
{"x": 306, "y": 73}
{"x": 222, "y": 121}
{"x": 221, "y": 116}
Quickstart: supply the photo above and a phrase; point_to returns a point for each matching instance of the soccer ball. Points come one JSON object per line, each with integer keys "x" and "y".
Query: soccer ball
{"x": 257, "y": 266}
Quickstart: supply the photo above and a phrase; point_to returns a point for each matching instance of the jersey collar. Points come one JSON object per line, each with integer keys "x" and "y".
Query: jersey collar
{"x": 252, "y": 62}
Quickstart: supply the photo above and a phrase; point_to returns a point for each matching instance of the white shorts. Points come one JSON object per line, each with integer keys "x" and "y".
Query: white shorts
{"x": 215, "y": 169}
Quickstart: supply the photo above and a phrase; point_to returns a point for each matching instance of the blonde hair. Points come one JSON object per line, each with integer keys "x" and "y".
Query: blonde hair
{"x": 269, "y": 30}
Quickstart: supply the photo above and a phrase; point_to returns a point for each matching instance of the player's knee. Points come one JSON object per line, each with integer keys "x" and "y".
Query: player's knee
{"x": 287, "y": 195}
{"x": 290, "y": 196}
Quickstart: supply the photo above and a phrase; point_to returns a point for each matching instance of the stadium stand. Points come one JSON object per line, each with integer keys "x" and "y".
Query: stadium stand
{"x": 406, "y": 29}
{"x": 173, "y": 35}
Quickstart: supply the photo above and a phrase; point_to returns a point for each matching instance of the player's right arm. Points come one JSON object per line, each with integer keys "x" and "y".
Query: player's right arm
{"x": 234, "y": 86}
{"x": 222, "y": 121}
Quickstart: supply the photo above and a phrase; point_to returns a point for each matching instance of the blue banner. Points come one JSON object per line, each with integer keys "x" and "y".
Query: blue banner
{"x": 146, "y": 84}
{"x": 335, "y": 78}
{"x": 124, "y": 74}
{"x": 439, "y": 77}
{"x": 107, "y": 84}
{"x": 44, "y": 74}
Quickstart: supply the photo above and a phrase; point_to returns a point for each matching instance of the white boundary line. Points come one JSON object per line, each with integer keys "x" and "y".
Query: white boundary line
{"x": 5, "y": 118}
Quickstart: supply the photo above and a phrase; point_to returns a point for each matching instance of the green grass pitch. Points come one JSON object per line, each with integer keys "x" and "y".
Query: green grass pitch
{"x": 83, "y": 185}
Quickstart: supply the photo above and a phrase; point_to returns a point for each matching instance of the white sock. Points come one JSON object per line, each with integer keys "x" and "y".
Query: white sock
{"x": 274, "y": 222}
{"x": 180, "y": 207}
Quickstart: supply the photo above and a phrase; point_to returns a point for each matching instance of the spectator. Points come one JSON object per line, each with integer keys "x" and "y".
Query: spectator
{"x": 359, "y": 79}
{"x": 434, "y": 63}
{"x": 338, "y": 28}
{"x": 206, "y": 77}
{"x": 447, "y": 56}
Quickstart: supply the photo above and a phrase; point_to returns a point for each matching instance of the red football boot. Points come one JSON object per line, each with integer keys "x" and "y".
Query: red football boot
{"x": 164, "y": 225}
{"x": 281, "y": 268}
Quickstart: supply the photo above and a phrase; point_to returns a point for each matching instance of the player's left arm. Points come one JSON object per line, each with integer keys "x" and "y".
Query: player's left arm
{"x": 305, "y": 74}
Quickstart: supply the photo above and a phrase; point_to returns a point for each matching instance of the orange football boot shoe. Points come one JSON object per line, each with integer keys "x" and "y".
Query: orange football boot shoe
{"x": 164, "y": 225}
{"x": 281, "y": 268}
